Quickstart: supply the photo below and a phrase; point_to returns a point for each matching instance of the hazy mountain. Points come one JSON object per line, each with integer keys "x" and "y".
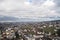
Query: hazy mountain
{"x": 15, "y": 19}
{"x": 8, "y": 18}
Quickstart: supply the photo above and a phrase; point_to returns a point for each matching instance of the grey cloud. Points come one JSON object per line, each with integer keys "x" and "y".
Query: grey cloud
{"x": 36, "y": 2}
{"x": 57, "y": 7}
{"x": 57, "y": 2}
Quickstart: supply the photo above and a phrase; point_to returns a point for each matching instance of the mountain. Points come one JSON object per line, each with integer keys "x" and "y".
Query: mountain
{"x": 15, "y": 19}
{"x": 8, "y": 18}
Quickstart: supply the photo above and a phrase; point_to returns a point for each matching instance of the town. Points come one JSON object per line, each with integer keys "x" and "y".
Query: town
{"x": 48, "y": 30}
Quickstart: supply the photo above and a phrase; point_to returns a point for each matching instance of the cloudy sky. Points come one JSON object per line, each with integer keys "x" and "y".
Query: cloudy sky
{"x": 30, "y": 10}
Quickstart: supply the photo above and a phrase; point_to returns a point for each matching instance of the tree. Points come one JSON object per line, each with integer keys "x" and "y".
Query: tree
{"x": 58, "y": 32}
{"x": 49, "y": 29}
{"x": 16, "y": 34}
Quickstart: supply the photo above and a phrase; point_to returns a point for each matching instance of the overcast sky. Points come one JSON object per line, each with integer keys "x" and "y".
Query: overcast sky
{"x": 33, "y": 9}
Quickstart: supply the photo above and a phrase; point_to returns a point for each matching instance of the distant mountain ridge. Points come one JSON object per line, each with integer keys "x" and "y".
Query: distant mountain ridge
{"x": 15, "y": 19}
{"x": 8, "y": 18}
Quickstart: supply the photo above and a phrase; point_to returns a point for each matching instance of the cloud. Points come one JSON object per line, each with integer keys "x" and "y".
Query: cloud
{"x": 31, "y": 9}
{"x": 57, "y": 7}
{"x": 57, "y": 2}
